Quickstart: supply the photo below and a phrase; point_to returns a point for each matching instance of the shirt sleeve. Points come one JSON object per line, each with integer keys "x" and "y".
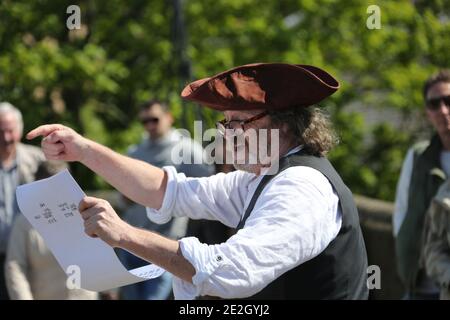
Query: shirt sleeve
{"x": 293, "y": 221}
{"x": 401, "y": 195}
{"x": 219, "y": 197}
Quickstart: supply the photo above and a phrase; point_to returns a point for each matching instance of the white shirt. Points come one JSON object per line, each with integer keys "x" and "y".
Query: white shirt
{"x": 402, "y": 192}
{"x": 294, "y": 220}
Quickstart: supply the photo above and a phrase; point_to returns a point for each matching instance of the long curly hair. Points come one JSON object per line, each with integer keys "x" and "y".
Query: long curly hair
{"x": 308, "y": 126}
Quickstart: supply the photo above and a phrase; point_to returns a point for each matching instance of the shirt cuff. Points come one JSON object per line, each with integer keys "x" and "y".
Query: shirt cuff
{"x": 205, "y": 263}
{"x": 164, "y": 214}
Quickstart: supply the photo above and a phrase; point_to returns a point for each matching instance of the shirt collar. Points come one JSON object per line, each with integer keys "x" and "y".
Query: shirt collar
{"x": 293, "y": 150}
{"x": 296, "y": 149}
{"x": 10, "y": 168}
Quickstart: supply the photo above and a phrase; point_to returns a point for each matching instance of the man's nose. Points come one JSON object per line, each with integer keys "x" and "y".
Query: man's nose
{"x": 6, "y": 136}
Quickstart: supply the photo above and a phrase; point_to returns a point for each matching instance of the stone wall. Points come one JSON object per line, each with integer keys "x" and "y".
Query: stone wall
{"x": 376, "y": 223}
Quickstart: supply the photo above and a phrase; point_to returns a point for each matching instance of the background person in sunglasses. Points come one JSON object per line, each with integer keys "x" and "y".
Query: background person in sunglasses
{"x": 156, "y": 148}
{"x": 161, "y": 138}
{"x": 425, "y": 168}
{"x": 298, "y": 229}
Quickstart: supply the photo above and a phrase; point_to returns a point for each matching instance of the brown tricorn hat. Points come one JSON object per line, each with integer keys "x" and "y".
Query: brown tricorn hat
{"x": 263, "y": 86}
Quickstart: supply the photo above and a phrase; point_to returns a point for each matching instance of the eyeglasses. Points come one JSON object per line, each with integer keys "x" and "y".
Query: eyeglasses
{"x": 149, "y": 120}
{"x": 435, "y": 103}
{"x": 236, "y": 127}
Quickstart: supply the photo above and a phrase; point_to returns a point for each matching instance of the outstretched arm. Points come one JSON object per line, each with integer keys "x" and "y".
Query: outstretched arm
{"x": 139, "y": 181}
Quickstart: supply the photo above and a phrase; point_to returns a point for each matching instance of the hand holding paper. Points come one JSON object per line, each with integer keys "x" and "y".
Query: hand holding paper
{"x": 100, "y": 220}
{"x": 51, "y": 206}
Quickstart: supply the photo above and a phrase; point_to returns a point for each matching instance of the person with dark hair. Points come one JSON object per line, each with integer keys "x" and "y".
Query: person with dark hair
{"x": 162, "y": 139}
{"x": 156, "y": 148}
{"x": 298, "y": 234}
{"x": 425, "y": 168}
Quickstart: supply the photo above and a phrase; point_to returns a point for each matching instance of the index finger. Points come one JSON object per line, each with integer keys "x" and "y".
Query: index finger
{"x": 44, "y": 130}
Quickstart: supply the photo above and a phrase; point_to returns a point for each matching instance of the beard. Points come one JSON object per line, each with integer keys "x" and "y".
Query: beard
{"x": 250, "y": 168}
{"x": 250, "y": 152}
{"x": 245, "y": 159}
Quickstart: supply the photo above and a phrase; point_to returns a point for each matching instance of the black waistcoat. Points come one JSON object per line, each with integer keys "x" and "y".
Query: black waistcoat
{"x": 340, "y": 271}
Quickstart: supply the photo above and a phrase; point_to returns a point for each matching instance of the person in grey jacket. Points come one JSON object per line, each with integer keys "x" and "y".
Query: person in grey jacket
{"x": 161, "y": 146}
{"x": 19, "y": 163}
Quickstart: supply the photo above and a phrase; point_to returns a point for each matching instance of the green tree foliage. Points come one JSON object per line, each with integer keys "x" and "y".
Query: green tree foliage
{"x": 93, "y": 79}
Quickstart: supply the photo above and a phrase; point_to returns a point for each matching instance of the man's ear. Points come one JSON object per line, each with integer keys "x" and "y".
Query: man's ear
{"x": 171, "y": 118}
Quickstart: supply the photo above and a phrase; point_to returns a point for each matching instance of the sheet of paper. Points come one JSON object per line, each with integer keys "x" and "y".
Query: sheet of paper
{"x": 51, "y": 206}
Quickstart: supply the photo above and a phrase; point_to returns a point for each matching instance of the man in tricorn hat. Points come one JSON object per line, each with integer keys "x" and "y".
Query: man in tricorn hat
{"x": 298, "y": 234}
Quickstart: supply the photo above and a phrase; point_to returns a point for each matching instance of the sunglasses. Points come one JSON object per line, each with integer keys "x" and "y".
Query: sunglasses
{"x": 150, "y": 120}
{"x": 435, "y": 103}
